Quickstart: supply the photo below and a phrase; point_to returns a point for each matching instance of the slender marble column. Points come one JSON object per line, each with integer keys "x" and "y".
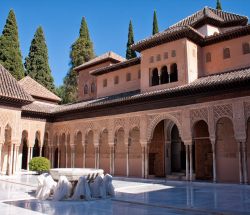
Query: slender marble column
{"x": 17, "y": 160}
{"x": 143, "y": 160}
{"x": 31, "y": 152}
{"x": 112, "y": 159}
{"x": 187, "y": 162}
{"x": 52, "y": 156}
{"x": 40, "y": 151}
{"x": 240, "y": 162}
{"x": 14, "y": 159}
{"x": 244, "y": 162}
{"x": 1, "y": 147}
{"x": 127, "y": 160}
{"x": 72, "y": 156}
{"x": 214, "y": 161}
{"x": 10, "y": 159}
{"x": 191, "y": 162}
{"x": 97, "y": 157}
{"x": 58, "y": 158}
{"x": 66, "y": 155}
{"x": 28, "y": 158}
{"x": 84, "y": 156}
{"x": 146, "y": 161}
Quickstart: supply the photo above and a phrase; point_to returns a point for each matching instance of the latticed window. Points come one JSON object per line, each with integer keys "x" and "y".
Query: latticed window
{"x": 173, "y": 53}
{"x": 245, "y": 48}
{"x": 164, "y": 75}
{"x": 208, "y": 57}
{"x": 128, "y": 76}
{"x": 116, "y": 80}
{"x": 155, "y": 77}
{"x": 173, "y": 73}
{"x": 166, "y": 55}
{"x": 226, "y": 53}
{"x": 92, "y": 88}
{"x": 86, "y": 89}
{"x": 151, "y": 59}
{"x": 158, "y": 57}
{"x": 105, "y": 83}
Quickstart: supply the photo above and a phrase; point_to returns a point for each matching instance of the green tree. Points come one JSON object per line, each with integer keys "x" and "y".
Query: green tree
{"x": 130, "y": 53}
{"x": 10, "y": 54}
{"x": 37, "y": 62}
{"x": 218, "y": 5}
{"x": 155, "y": 24}
{"x": 81, "y": 51}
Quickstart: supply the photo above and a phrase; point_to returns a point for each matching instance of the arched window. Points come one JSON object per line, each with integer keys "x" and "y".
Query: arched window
{"x": 128, "y": 76}
{"x": 226, "y": 53}
{"x": 164, "y": 75}
{"x": 116, "y": 80}
{"x": 173, "y": 73}
{"x": 208, "y": 57}
{"x": 105, "y": 83}
{"x": 92, "y": 88}
{"x": 86, "y": 89}
{"x": 155, "y": 77}
{"x": 246, "y": 48}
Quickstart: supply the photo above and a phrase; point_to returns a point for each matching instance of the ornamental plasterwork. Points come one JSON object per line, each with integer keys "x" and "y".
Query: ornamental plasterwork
{"x": 247, "y": 109}
{"x": 119, "y": 122}
{"x": 199, "y": 114}
{"x": 177, "y": 115}
{"x": 223, "y": 111}
{"x": 134, "y": 122}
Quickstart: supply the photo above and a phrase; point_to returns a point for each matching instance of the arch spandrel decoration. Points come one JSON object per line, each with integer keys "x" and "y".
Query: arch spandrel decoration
{"x": 198, "y": 114}
{"x": 154, "y": 120}
{"x": 223, "y": 111}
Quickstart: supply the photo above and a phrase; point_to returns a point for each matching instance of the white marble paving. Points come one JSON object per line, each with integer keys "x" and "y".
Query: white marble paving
{"x": 132, "y": 197}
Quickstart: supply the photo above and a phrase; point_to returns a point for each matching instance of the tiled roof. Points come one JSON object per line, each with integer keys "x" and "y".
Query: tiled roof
{"x": 178, "y": 32}
{"x": 37, "y": 90}
{"x": 39, "y": 107}
{"x": 186, "y": 28}
{"x": 220, "y": 17}
{"x": 107, "y": 56}
{"x": 10, "y": 89}
{"x": 121, "y": 65}
{"x": 204, "y": 84}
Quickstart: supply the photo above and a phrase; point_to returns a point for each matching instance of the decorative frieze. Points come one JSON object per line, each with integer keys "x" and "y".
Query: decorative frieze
{"x": 223, "y": 111}
{"x": 198, "y": 114}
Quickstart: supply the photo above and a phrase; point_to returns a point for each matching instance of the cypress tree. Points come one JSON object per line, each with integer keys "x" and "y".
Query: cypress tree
{"x": 10, "y": 54}
{"x": 130, "y": 53}
{"x": 218, "y": 5}
{"x": 155, "y": 24}
{"x": 37, "y": 62}
{"x": 81, "y": 51}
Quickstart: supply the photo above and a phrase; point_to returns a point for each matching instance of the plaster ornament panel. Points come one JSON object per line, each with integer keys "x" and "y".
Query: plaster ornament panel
{"x": 119, "y": 122}
{"x": 199, "y": 114}
{"x": 223, "y": 111}
{"x": 165, "y": 116}
{"x": 134, "y": 122}
{"x": 247, "y": 109}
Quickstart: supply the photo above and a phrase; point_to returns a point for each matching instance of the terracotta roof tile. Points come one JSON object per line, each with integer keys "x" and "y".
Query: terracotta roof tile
{"x": 39, "y": 107}
{"x": 107, "y": 56}
{"x": 37, "y": 90}
{"x": 10, "y": 89}
{"x": 121, "y": 65}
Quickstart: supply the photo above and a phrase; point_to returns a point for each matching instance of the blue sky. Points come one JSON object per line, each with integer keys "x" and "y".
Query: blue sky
{"x": 107, "y": 21}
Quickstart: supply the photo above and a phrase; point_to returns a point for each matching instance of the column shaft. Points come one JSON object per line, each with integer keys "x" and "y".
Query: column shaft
{"x": 127, "y": 160}
{"x": 244, "y": 159}
{"x": 187, "y": 162}
{"x": 214, "y": 162}
{"x": 191, "y": 162}
{"x": 240, "y": 162}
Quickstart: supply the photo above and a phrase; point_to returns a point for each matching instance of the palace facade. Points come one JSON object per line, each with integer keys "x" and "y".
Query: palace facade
{"x": 179, "y": 111}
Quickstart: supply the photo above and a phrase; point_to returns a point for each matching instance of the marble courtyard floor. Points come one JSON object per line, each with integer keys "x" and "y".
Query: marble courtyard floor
{"x": 133, "y": 196}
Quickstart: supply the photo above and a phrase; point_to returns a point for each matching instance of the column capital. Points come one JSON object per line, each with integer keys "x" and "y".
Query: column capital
{"x": 188, "y": 142}
{"x": 111, "y": 144}
{"x": 144, "y": 143}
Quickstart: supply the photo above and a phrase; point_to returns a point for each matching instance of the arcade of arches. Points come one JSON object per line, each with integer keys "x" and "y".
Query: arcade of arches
{"x": 207, "y": 143}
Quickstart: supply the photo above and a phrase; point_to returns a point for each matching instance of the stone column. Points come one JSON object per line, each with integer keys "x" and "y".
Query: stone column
{"x": 191, "y": 162}
{"x": 58, "y": 158}
{"x": 52, "y": 156}
{"x": 84, "y": 156}
{"x": 1, "y": 147}
{"x": 10, "y": 159}
{"x": 142, "y": 160}
{"x": 145, "y": 159}
{"x": 214, "y": 160}
{"x": 17, "y": 160}
{"x": 127, "y": 160}
{"x": 240, "y": 162}
{"x": 97, "y": 156}
{"x": 40, "y": 151}
{"x": 187, "y": 162}
{"x": 31, "y": 152}
{"x": 112, "y": 158}
{"x": 244, "y": 162}
{"x": 14, "y": 159}
{"x": 66, "y": 155}
{"x": 72, "y": 156}
{"x": 28, "y": 158}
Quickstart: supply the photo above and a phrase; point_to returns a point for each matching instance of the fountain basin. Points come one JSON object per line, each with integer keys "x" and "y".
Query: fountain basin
{"x": 73, "y": 174}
